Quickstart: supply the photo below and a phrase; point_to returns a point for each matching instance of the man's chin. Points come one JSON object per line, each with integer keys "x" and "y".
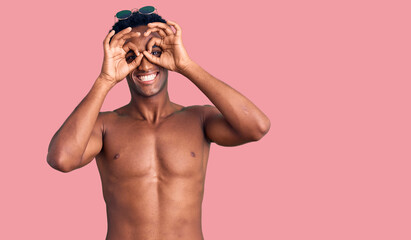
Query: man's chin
{"x": 147, "y": 90}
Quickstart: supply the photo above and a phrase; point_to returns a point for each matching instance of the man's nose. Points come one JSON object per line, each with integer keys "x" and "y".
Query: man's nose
{"x": 145, "y": 64}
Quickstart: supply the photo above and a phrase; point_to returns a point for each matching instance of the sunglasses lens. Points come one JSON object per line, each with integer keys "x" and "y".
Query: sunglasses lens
{"x": 147, "y": 10}
{"x": 123, "y": 14}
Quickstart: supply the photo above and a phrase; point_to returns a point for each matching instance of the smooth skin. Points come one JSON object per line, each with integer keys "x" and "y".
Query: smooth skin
{"x": 152, "y": 153}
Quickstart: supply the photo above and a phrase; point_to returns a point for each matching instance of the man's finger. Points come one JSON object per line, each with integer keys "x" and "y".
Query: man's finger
{"x": 106, "y": 41}
{"x": 127, "y": 36}
{"x": 120, "y": 34}
{"x": 176, "y": 26}
{"x": 131, "y": 46}
{"x": 163, "y": 26}
{"x": 136, "y": 62}
{"x": 153, "y": 41}
{"x": 151, "y": 58}
{"x": 158, "y": 30}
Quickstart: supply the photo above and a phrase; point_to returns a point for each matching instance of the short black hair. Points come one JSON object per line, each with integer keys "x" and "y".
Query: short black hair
{"x": 135, "y": 20}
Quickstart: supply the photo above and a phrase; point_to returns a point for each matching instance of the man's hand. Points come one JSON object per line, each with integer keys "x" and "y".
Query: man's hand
{"x": 174, "y": 57}
{"x": 115, "y": 65}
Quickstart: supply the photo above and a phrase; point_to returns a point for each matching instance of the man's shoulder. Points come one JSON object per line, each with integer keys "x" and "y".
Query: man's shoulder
{"x": 114, "y": 113}
{"x": 202, "y": 110}
{"x": 108, "y": 116}
{"x": 206, "y": 109}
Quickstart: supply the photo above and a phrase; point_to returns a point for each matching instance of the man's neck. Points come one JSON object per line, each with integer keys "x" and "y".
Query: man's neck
{"x": 151, "y": 109}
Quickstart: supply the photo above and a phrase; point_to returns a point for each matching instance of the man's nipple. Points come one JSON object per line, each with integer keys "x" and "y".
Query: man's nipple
{"x": 116, "y": 156}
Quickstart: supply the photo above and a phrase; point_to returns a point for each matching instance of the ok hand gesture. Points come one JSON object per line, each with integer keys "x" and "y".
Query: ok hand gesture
{"x": 115, "y": 65}
{"x": 174, "y": 57}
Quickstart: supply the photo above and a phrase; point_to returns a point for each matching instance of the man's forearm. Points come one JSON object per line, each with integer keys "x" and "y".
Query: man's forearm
{"x": 71, "y": 139}
{"x": 238, "y": 111}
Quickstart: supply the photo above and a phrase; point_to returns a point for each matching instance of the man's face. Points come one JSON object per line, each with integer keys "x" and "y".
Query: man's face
{"x": 147, "y": 79}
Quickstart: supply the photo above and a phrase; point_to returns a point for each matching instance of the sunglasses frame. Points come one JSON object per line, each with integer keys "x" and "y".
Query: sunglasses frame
{"x": 132, "y": 11}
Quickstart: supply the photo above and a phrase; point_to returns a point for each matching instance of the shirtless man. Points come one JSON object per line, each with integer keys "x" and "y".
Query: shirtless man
{"x": 152, "y": 153}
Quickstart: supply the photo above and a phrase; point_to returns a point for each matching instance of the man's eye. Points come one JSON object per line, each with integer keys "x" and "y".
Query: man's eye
{"x": 131, "y": 58}
{"x": 156, "y": 53}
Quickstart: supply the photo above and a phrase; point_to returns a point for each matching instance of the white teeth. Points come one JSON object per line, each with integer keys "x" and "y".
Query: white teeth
{"x": 146, "y": 78}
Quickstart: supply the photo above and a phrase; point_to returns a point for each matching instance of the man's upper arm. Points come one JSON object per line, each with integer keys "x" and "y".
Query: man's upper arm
{"x": 94, "y": 144}
{"x": 218, "y": 130}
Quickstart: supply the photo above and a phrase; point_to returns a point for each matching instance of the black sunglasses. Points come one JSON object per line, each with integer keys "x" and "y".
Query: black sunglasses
{"x": 124, "y": 14}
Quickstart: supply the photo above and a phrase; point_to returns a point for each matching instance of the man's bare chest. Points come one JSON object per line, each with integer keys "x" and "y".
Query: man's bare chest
{"x": 176, "y": 147}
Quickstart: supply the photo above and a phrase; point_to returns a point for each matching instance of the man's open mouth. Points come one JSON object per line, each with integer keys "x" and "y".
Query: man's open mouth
{"x": 145, "y": 78}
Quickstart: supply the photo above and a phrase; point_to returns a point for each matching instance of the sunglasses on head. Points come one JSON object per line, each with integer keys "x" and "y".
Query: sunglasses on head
{"x": 124, "y": 14}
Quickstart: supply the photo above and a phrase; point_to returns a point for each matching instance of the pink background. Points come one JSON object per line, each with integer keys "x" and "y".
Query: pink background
{"x": 333, "y": 77}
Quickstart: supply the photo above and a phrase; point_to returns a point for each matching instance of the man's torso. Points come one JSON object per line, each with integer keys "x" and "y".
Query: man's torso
{"x": 153, "y": 175}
